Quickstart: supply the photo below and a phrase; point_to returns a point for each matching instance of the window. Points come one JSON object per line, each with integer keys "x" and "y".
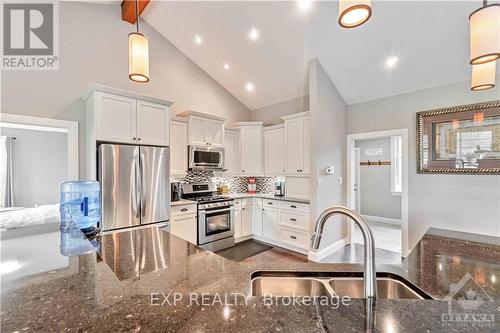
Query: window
{"x": 396, "y": 165}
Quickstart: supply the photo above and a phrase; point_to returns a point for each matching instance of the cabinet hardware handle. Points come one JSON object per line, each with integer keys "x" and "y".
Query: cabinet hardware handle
{"x": 293, "y": 219}
{"x": 298, "y": 170}
{"x": 293, "y": 237}
{"x": 134, "y": 139}
{"x": 243, "y": 209}
{"x": 293, "y": 206}
{"x": 138, "y": 139}
{"x": 270, "y": 203}
{"x": 184, "y": 209}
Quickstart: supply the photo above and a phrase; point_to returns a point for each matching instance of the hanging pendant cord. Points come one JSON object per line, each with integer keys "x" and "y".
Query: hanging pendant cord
{"x": 137, "y": 14}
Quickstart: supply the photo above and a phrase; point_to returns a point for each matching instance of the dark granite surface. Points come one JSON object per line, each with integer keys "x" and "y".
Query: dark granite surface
{"x": 112, "y": 291}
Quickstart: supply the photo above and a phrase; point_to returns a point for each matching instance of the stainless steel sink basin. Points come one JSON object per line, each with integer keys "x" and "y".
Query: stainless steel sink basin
{"x": 289, "y": 286}
{"x": 297, "y": 284}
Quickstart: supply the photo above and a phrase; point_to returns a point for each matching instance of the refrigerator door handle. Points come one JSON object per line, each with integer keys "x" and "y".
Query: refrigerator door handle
{"x": 137, "y": 187}
{"x": 143, "y": 185}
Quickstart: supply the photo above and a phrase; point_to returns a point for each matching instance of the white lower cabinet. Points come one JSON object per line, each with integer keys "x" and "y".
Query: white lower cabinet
{"x": 294, "y": 237}
{"x": 270, "y": 228}
{"x": 237, "y": 219}
{"x": 184, "y": 222}
{"x": 246, "y": 220}
{"x": 257, "y": 217}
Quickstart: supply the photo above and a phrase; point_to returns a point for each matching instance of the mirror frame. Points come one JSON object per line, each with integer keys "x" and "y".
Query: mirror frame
{"x": 422, "y": 115}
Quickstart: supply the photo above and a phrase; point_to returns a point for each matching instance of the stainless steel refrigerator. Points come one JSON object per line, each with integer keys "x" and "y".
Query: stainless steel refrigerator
{"x": 135, "y": 185}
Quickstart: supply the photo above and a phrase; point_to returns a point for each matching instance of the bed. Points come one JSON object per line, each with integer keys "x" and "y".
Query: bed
{"x": 16, "y": 217}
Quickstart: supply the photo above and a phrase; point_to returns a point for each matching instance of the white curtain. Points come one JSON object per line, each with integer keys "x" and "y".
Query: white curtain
{"x": 6, "y": 178}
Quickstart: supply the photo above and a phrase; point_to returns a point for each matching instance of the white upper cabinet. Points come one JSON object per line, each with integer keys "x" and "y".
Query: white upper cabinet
{"x": 115, "y": 118}
{"x": 178, "y": 148}
{"x": 123, "y": 119}
{"x": 251, "y": 149}
{"x": 204, "y": 129}
{"x": 297, "y": 143}
{"x": 231, "y": 150}
{"x": 274, "y": 151}
{"x": 153, "y": 123}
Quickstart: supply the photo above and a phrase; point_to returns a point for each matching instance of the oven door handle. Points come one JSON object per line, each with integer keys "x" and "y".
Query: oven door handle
{"x": 216, "y": 211}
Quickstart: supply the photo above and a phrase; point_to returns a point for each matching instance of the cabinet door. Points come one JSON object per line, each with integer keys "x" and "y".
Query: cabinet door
{"x": 270, "y": 223}
{"x": 231, "y": 151}
{"x": 178, "y": 148}
{"x": 257, "y": 220}
{"x": 115, "y": 118}
{"x": 251, "y": 150}
{"x": 274, "y": 152}
{"x": 246, "y": 220}
{"x": 294, "y": 146}
{"x": 153, "y": 123}
{"x": 185, "y": 227}
{"x": 215, "y": 132}
{"x": 306, "y": 132}
{"x": 197, "y": 131}
{"x": 238, "y": 232}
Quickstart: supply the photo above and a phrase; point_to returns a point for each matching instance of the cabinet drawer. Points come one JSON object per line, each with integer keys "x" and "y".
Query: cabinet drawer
{"x": 293, "y": 237}
{"x": 183, "y": 209}
{"x": 293, "y": 206}
{"x": 268, "y": 203}
{"x": 294, "y": 220}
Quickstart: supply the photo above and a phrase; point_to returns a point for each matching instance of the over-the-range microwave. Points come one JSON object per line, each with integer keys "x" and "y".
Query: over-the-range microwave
{"x": 206, "y": 158}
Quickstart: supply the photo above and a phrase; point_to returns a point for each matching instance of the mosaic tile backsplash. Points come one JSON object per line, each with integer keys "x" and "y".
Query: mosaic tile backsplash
{"x": 236, "y": 184}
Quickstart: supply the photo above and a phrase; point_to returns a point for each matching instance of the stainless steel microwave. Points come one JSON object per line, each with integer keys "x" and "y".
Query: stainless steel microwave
{"x": 206, "y": 158}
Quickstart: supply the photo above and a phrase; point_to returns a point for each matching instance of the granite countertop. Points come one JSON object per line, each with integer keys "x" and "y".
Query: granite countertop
{"x": 182, "y": 202}
{"x": 150, "y": 280}
{"x": 265, "y": 196}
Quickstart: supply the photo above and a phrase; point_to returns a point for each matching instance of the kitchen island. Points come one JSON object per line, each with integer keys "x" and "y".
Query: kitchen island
{"x": 150, "y": 280}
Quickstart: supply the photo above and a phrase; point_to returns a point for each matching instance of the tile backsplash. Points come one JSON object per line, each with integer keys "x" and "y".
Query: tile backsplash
{"x": 236, "y": 184}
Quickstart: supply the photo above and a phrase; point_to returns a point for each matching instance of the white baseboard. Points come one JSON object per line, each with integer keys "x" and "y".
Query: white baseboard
{"x": 244, "y": 238}
{"x": 280, "y": 244}
{"x": 317, "y": 256}
{"x": 380, "y": 219}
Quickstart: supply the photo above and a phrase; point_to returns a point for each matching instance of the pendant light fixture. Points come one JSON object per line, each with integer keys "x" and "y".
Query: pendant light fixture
{"x": 485, "y": 34}
{"x": 138, "y": 53}
{"x": 483, "y": 76}
{"x": 353, "y": 13}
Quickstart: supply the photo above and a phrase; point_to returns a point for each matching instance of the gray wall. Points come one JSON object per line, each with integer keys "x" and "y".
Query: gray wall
{"x": 94, "y": 48}
{"x": 40, "y": 164}
{"x": 468, "y": 203}
{"x": 328, "y": 148}
{"x": 375, "y": 182}
{"x": 271, "y": 114}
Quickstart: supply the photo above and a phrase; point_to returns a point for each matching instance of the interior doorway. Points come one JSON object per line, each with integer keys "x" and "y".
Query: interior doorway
{"x": 378, "y": 187}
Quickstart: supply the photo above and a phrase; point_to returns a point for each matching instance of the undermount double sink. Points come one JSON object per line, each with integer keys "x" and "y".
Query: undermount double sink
{"x": 299, "y": 284}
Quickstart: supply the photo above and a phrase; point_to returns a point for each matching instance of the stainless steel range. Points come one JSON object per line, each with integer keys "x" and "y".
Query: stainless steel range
{"x": 215, "y": 216}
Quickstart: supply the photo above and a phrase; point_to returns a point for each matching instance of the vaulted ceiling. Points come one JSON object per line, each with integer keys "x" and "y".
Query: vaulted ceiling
{"x": 429, "y": 38}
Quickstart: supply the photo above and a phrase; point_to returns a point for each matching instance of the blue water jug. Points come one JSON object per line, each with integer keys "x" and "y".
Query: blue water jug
{"x": 80, "y": 203}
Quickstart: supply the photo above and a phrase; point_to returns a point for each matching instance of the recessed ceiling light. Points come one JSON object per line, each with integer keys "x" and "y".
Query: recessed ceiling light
{"x": 391, "y": 62}
{"x": 249, "y": 86}
{"x": 226, "y": 66}
{"x": 198, "y": 40}
{"x": 304, "y": 5}
{"x": 253, "y": 34}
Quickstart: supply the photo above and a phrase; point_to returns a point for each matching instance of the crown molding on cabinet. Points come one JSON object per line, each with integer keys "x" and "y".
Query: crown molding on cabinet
{"x": 188, "y": 113}
{"x": 122, "y": 92}
{"x": 296, "y": 115}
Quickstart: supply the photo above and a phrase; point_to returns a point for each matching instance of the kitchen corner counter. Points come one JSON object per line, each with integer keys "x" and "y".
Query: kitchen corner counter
{"x": 265, "y": 196}
{"x": 128, "y": 281}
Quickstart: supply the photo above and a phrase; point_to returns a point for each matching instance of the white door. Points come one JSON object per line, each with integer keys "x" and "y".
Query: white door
{"x": 237, "y": 224}
{"x": 274, "y": 152}
{"x": 115, "y": 118}
{"x": 294, "y": 143}
{"x": 185, "y": 227}
{"x": 246, "y": 220}
{"x": 153, "y": 123}
{"x": 197, "y": 131}
{"x": 270, "y": 223}
{"x": 251, "y": 150}
{"x": 356, "y": 186}
{"x": 231, "y": 151}
{"x": 306, "y": 153}
{"x": 215, "y": 132}
{"x": 178, "y": 148}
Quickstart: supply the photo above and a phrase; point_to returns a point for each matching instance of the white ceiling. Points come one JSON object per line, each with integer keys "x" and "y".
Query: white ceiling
{"x": 429, "y": 38}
